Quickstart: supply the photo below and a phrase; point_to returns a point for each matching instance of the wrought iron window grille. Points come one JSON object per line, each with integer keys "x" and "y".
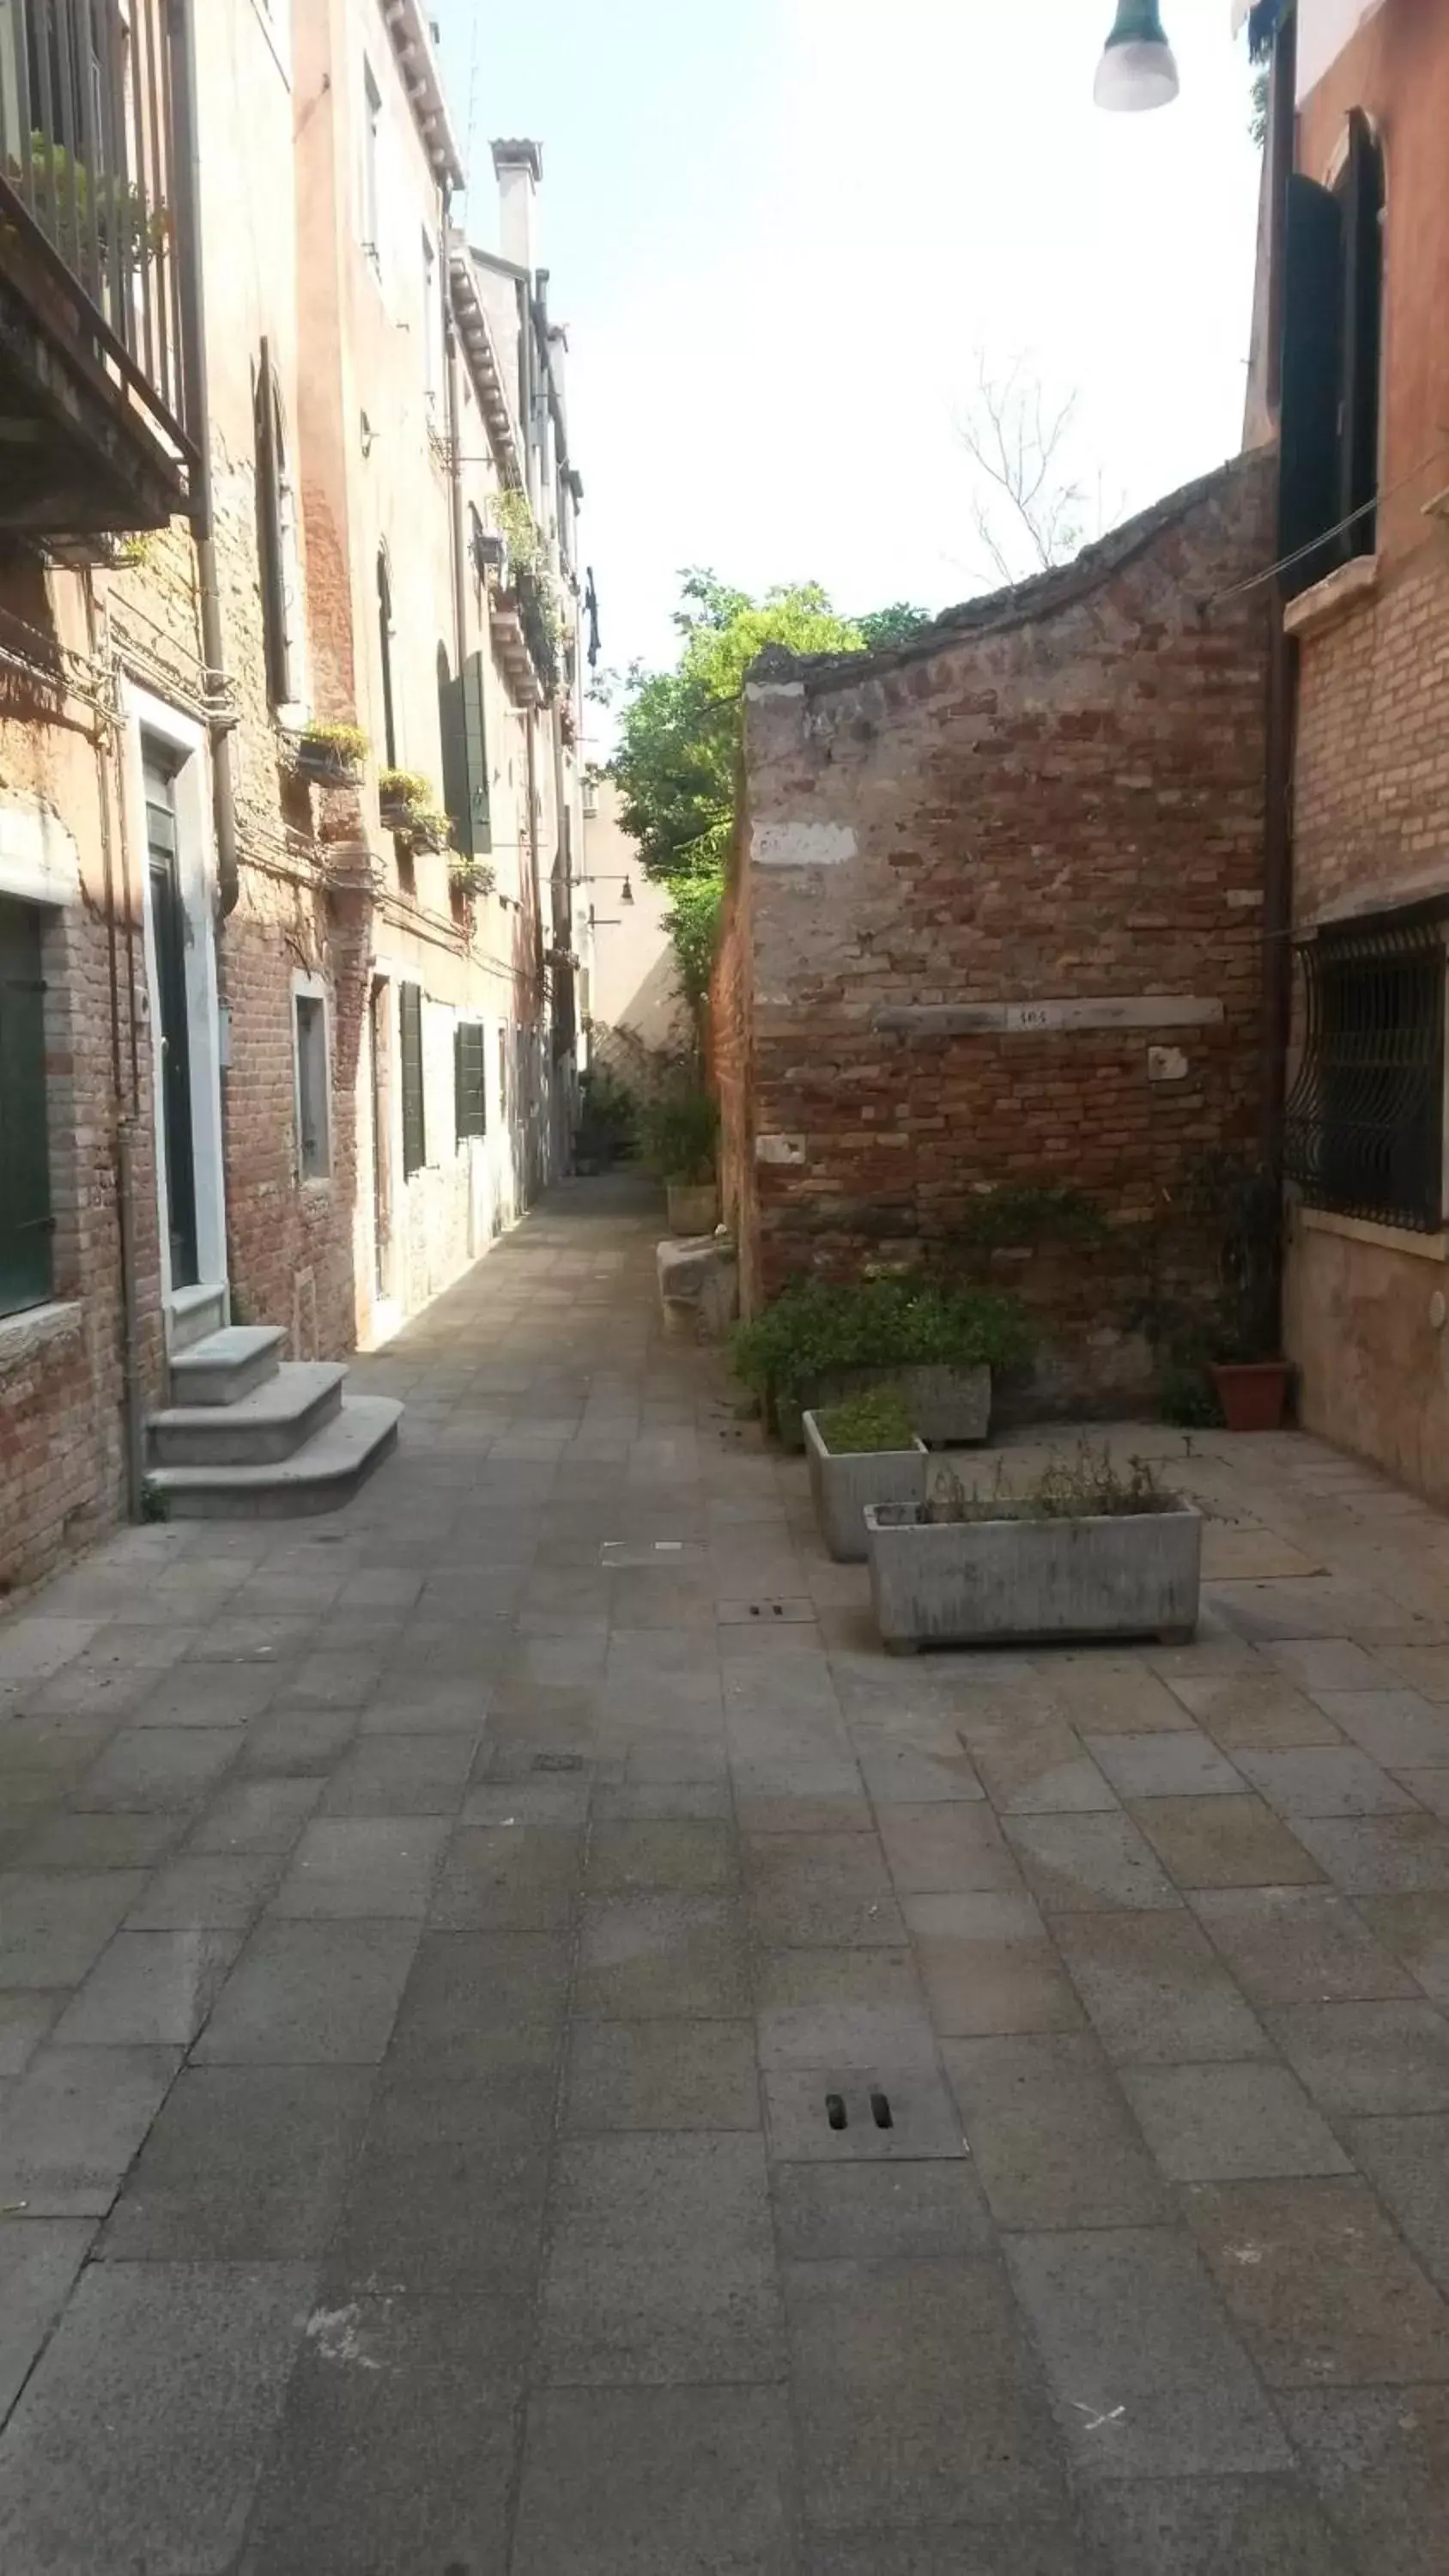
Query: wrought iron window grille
{"x": 1364, "y": 1127}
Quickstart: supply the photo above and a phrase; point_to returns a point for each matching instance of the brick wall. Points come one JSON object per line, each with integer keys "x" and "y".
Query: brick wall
{"x": 1054, "y": 799}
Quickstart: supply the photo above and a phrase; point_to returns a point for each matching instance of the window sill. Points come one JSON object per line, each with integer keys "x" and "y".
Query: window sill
{"x": 1387, "y": 1238}
{"x": 1334, "y": 597}
{"x": 37, "y": 1328}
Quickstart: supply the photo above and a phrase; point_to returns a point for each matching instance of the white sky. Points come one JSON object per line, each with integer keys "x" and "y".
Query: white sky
{"x": 781, "y": 231}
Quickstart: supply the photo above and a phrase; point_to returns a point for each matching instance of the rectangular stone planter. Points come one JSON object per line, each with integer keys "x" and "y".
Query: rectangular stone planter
{"x": 969, "y": 1583}
{"x": 843, "y": 1482}
{"x": 950, "y": 1407}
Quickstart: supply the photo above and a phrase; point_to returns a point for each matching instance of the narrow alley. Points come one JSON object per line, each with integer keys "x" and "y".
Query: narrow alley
{"x": 439, "y": 1946}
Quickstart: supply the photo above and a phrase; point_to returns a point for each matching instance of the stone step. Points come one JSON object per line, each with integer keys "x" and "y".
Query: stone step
{"x": 318, "y": 1478}
{"x": 226, "y": 1365}
{"x": 259, "y": 1430}
{"x": 192, "y": 1314}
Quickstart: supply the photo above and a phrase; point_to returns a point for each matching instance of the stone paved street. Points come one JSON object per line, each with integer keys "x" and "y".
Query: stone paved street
{"x": 428, "y": 1938}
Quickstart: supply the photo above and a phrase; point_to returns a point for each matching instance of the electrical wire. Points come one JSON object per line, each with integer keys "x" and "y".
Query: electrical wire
{"x": 1300, "y": 554}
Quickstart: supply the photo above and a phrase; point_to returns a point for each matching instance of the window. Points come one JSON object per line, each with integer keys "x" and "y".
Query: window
{"x": 414, "y": 1123}
{"x": 314, "y": 1110}
{"x": 384, "y": 636}
{"x": 277, "y": 542}
{"x": 25, "y": 1218}
{"x": 1365, "y": 1122}
{"x": 462, "y": 726}
{"x": 1332, "y": 337}
{"x": 470, "y": 1080}
{"x": 371, "y": 155}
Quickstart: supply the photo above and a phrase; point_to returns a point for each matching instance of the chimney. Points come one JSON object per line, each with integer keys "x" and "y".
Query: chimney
{"x": 519, "y": 166}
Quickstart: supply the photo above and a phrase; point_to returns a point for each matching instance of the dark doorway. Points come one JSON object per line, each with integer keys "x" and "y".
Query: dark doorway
{"x": 168, "y": 931}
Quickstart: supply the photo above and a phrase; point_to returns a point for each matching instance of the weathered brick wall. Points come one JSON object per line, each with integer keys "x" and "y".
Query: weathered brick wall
{"x": 1059, "y": 801}
{"x": 730, "y": 1068}
{"x": 1372, "y": 778}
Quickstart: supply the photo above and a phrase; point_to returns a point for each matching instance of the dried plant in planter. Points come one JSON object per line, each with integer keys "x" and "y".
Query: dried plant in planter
{"x": 1087, "y": 1486}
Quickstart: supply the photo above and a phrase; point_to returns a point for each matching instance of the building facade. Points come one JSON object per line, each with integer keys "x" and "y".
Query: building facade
{"x": 993, "y": 936}
{"x": 287, "y": 1016}
{"x": 639, "y": 1025}
{"x": 1360, "y": 398}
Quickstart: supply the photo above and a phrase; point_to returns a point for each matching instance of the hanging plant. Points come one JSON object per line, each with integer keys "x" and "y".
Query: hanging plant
{"x": 469, "y": 878}
{"x": 402, "y": 795}
{"x": 331, "y": 755}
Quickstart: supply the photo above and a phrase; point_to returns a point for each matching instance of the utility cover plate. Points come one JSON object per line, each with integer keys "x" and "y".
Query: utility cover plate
{"x": 925, "y": 2125}
{"x": 765, "y": 1614}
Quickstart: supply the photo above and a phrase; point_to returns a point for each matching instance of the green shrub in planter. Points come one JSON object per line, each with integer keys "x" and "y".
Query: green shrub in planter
{"x": 818, "y": 1327}
{"x": 873, "y": 1422}
{"x": 680, "y": 1133}
{"x": 332, "y": 755}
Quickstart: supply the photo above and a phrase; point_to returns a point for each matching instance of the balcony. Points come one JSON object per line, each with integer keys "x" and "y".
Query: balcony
{"x": 525, "y": 633}
{"x": 94, "y": 199}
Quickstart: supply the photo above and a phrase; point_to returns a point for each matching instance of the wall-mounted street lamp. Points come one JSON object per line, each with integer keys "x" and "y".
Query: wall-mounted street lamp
{"x": 1137, "y": 70}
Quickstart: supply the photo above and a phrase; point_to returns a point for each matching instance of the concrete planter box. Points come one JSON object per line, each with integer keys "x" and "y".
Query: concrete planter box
{"x": 950, "y": 1407}
{"x": 845, "y": 1481}
{"x": 967, "y": 1583}
{"x": 693, "y": 1207}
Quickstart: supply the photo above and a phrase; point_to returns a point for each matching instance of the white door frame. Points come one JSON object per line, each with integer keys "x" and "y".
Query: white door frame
{"x": 148, "y": 718}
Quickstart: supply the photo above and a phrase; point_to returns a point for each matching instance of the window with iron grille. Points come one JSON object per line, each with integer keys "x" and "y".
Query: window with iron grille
{"x": 1365, "y": 1121}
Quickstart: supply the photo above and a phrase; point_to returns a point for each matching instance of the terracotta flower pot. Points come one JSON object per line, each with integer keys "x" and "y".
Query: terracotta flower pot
{"x": 1252, "y": 1393}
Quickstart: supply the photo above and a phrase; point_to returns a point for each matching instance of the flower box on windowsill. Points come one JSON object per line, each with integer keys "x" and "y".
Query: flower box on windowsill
{"x": 330, "y": 756}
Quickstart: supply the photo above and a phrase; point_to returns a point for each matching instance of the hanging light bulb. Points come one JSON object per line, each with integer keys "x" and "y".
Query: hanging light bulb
{"x": 1137, "y": 70}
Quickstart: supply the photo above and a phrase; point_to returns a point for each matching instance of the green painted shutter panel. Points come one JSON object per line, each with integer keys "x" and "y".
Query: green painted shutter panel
{"x": 269, "y": 531}
{"x": 456, "y": 800}
{"x": 1311, "y": 381}
{"x": 475, "y": 747}
{"x": 1363, "y": 206}
{"x": 414, "y": 1124}
{"x": 25, "y": 1219}
{"x": 470, "y": 1086}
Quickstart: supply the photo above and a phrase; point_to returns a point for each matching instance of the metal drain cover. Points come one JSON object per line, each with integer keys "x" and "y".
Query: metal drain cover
{"x": 765, "y": 1614}
{"x": 820, "y": 2115}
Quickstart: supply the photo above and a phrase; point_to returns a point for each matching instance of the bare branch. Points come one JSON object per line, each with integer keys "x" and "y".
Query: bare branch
{"x": 1016, "y": 439}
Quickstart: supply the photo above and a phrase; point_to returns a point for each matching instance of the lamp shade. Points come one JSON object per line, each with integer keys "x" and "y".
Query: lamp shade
{"x": 1137, "y": 70}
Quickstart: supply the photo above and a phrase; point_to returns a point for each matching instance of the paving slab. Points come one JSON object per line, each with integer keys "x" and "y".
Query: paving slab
{"x": 447, "y": 2190}
{"x": 141, "y": 2436}
{"x": 308, "y": 1994}
{"x": 1050, "y": 2135}
{"x": 1264, "y": 2526}
{"x": 149, "y": 1989}
{"x": 661, "y": 2264}
{"x": 1077, "y": 1863}
{"x": 1224, "y": 1842}
{"x": 662, "y": 2075}
{"x": 1366, "y": 2058}
{"x": 917, "y": 2398}
{"x": 39, "y": 2261}
{"x": 1379, "y": 2461}
{"x": 1186, "y": 1765}
{"x": 397, "y": 2441}
{"x": 1221, "y": 2123}
{"x": 1147, "y": 2378}
{"x": 670, "y": 1957}
{"x": 363, "y": 1866}
{"x": 1300, "y": 1945}
{"x": 219, "y": 1891}
{"x": 1415, "y": 1929}
{"x": 838, "y": 2008}
{"x": 53, "y": 1929}
{"x": 1155, "y": 1989}
{"x": 650, "y": 2481}
{"x": 1379, "y": 1855}
{"x": 1320, "y": 2284}
{"x": 72, "y": 2123}
{"x": 880, "y": 2213}
{"x": 987, "y": 1965}
{"x": 243, "y": 2165}
{"x": 480, "y": 2002}
{"x": 1407, "y": 2161}
{"x": 1328, "y": 1780}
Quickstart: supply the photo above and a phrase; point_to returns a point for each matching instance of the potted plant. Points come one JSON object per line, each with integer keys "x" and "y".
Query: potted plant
{"x": 680, "y": 1132}
{"x": 331, "y": 755}
{"x": 428, "y": 829}
{"x": 863, "y": 1451}
{"x": 469, "y": 878}
{"x": 1249, "y": 1373}
{"x": 402, "y": 795}
{"x": 1086, "y": 1551}
{"x": 935, "y": 1347}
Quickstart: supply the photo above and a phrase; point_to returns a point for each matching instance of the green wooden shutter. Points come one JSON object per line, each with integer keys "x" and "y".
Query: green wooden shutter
{"x": 470, "y": 1084}
{"x": 1311, "y": 380}
{"x": 269, "y": 534}
{"x": 457, "y": 801}
{"x": 1363, "y": 206}
{"x": 475, "y": 753}
{"x": 414, "y": 1123}
{"x": 25, "y": 1219}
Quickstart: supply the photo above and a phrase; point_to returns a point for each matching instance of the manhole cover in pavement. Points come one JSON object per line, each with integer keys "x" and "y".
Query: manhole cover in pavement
{"x": 765, "y": 1614}
{"x": 819, "y": 2116}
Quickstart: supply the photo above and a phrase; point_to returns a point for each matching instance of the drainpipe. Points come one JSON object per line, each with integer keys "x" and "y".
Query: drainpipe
{"x": 193, "y": 331}
{"x": 1277, "y": 986}
{"x": 125, "y": 1119}
{"x": 455, "y": 459}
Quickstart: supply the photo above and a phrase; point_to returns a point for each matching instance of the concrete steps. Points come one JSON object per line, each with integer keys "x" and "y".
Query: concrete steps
{"x": 325, "y": 1473}
{"x": 227, "y": 1365}
{"x": 248, "y": 1436}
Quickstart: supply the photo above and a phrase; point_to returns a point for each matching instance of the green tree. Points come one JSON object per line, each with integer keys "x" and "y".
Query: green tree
{"x": 679, "y": 733}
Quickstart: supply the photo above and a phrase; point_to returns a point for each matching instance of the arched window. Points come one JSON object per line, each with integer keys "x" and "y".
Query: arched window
{"x": 384, "y": 638}
{"x": 277, "y": 542}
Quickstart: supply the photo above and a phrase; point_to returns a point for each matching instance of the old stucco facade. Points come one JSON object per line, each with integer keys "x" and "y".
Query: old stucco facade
{"x": 996, "y": 919}
{"x": 414, "y": 379}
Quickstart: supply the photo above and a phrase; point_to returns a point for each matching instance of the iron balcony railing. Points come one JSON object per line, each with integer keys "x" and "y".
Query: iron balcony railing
{"x": 91, "y": 189}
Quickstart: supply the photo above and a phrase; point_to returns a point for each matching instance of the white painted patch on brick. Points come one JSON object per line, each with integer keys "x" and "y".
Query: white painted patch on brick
{"x": 39, "y": 862}
{"x": 779, "y": 1149}
{"x": 1166, "y": 1064}
{"x": 804, "y": 845}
